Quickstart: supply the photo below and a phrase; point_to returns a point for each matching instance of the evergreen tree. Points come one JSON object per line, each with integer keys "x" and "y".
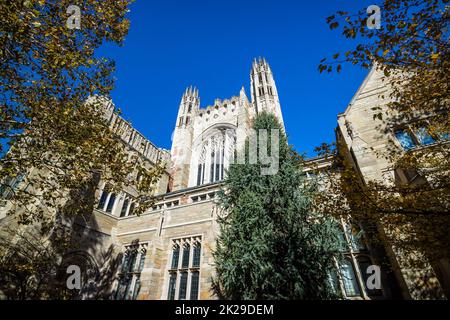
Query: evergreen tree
{"x": 271, "y": 244}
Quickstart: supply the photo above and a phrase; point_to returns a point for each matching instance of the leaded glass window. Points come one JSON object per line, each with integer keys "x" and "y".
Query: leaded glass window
{"x": 406, "y": 140}
{"x": 184, "y": 277}
{"x": 183, "y": 286}
{"x": 130, "y": 273}
{"x": 349, "y": 279}
{"x": 172, "y": 286}
{"x": 424, "y": 136}
{"x": 175, "y": 256}
{"x": 186, "y": 253}
{"x": 196, "y": 257}
{"x": 194, "y": 285}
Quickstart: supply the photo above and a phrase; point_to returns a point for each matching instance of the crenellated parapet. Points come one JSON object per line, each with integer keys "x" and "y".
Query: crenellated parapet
{"x": 137, "y": 140}
{"x": 222, "y": 111}
{"x": 129, "y": 135}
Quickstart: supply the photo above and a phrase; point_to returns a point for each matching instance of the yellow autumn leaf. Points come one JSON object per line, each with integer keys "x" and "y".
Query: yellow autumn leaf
{"x": 435, "y": 56}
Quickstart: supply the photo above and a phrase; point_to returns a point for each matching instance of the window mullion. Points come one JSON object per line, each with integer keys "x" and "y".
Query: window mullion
{"x": 413, "y": 135}
{"x": 359, "y": 276}
{"x": 130, "y": 290}
{"x": 339, "y": 276}
{"x": 191, "y": 257}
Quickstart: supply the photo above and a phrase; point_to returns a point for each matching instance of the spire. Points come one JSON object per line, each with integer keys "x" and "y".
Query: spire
{"x": 254, "y": 66}
{"x": 242, "y": 92}
{"x": 260, "y": 64}
{"x": 263, "y": 90}
{"x": 191, "y": 91}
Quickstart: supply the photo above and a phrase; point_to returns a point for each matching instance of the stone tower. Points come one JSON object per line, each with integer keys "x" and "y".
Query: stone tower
{"x": 264, "y": 92}
{"x": 182, "y": 138}
{"x": 204, "y": 139}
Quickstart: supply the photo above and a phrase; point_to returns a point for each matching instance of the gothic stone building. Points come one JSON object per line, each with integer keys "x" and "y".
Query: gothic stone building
{"x": 167, "y": 251}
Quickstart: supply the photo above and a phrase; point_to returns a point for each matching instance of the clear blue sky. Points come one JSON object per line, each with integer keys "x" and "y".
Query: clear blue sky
{"x": 211, "y": 44}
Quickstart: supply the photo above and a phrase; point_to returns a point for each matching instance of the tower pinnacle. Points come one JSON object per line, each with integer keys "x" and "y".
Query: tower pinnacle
{"x": 264, "y": 94}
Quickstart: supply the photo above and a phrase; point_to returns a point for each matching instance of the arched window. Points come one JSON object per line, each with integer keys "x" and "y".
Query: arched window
{"x": 186, "y": 253}
{"x": 214, "y": 155}
{"x": 201, "y": 164}
{"x": 175, "y": 256}
{"x": 217, "y": 158}
{"x": 200, "y": 173}
{"x": 211, "y": 172}
{"x": 219, "y": 163}
{"x": 196, "y": 257}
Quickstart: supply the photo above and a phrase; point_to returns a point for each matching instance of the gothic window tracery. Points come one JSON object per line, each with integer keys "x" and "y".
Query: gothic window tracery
{"x": 215, "y": 154}
{"x": 201, "y": 165}
{"x": 184, "y": 272}
{"x": 130, "y": 272}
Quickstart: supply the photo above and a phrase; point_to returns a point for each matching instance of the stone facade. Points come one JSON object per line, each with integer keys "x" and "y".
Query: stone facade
{"x": 167, "y": 251}
{"x": 365, "y": 140}
{"x": 203, "y": 141}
